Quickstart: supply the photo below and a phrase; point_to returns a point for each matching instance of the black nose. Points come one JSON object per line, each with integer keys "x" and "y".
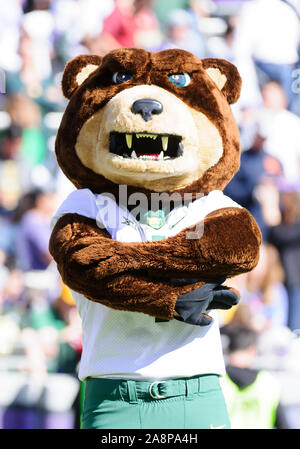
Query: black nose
{"x": 146, "y": 107}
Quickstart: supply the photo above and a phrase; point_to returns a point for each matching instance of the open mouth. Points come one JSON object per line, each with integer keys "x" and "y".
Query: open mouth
{"x": 146, "y": 146}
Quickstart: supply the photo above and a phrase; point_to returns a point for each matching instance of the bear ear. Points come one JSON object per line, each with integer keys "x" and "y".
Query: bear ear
{"x": 77, "y": 71}
{"x": 226, "y": 77}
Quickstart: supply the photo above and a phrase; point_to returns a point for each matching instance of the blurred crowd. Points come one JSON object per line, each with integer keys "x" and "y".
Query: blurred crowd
{"x": 40, "y": 332}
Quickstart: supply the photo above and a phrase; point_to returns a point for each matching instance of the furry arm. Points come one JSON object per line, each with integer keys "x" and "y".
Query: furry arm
{"x": 137, "y": 276}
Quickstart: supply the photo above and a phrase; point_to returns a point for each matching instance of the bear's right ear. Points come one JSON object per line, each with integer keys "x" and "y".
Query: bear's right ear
{"x": 77, "y": 71}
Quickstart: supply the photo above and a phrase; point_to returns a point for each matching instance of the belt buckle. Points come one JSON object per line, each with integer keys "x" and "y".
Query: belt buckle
{"x": 156, "y": 396}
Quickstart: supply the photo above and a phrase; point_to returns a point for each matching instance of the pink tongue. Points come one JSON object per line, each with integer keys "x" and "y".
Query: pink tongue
{"x": 146, "y": 154}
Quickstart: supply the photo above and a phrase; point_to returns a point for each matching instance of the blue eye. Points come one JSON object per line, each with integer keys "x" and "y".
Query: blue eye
{"x": 180, "y": 79}
{"x": 121, "y": 77}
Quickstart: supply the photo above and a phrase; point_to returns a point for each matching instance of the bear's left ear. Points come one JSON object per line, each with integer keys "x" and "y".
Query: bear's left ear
{"x": 226, "y": 76}
{"x": 77, "y": 71}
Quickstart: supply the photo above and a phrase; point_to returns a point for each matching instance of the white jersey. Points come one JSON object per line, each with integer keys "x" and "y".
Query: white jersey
{"x": 130, "y": 345}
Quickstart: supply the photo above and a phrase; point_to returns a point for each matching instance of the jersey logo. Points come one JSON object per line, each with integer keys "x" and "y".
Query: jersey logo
{"x": 128, "y": 222}
{"x": 155, "y": 220}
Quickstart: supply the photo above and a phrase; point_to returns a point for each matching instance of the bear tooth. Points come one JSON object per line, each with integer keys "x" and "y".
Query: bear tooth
{"x": 129, "y": 140}
{"x": 164, "y": 141}
{"x": 161, "y": 155}
{"x": 150, "y": 136}
{"x": 133, "y": 155}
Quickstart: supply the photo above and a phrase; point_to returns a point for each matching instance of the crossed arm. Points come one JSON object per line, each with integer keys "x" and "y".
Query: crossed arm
{"x": 139, "y": 276}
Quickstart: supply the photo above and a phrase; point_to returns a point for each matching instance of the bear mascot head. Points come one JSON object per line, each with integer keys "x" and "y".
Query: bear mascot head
{"x": 155, "y": 123}
{"x": 160, "y": 122}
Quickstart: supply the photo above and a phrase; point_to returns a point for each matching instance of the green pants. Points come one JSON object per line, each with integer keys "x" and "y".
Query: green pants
{"x": 192, "y": 403}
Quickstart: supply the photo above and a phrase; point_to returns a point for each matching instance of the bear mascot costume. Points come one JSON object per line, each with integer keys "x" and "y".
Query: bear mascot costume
{"x": 148, "y": 238}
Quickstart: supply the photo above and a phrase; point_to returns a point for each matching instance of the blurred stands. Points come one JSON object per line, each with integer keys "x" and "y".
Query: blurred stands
{"x": 40, "y": 335}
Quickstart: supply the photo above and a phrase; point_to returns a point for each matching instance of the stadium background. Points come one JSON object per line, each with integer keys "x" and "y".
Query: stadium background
{"x": 40, "y": 333}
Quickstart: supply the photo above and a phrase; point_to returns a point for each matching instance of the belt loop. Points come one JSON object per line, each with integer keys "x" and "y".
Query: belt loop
{"x": 200, "y": 384}
{"x": 191, "y": 388}
{"x": 132, "y": 392}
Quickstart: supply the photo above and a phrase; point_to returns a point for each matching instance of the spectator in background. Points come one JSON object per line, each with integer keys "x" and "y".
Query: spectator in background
{"x": 222, "y": 46}
{"x": 264, "y": 301}
{"x": 14, "y": 171}
{"x": 11, "y": 291}
{"x": 13, "y": 305}
{"x": 286, "y": 237}
{"x": 26, "y": 114}
{"x": 30, "y": 5}
{"x": 39, "y": 27}
{"x": 9, "y": 225}
{"x": 78, "y": 26}
{"x": 282, "y": 129}
{"x": 179, "y": 34}
{"x": 132, "y": 23}
{"x": 252, "y": 396}
{"x": 255, "y": 182}
{"x": 268, "y": 32}
{"x": 148, "y": 34}
{"x": 34, "y": 232}
{"x": 241, "y": 315}
{"x": 23, "y": 151}
{"x": 265, "y": 293}
{"x": 28, "y": 81}
{"x": 53, "y": 334}
{"x": 119, "y": 27}
{"x": 11, "y": 142}
{"x": 200, "y": 9}
{"x": 10, "y": 21}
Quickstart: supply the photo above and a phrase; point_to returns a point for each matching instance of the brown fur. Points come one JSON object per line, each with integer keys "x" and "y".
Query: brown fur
{"x": 138, "y": 276}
